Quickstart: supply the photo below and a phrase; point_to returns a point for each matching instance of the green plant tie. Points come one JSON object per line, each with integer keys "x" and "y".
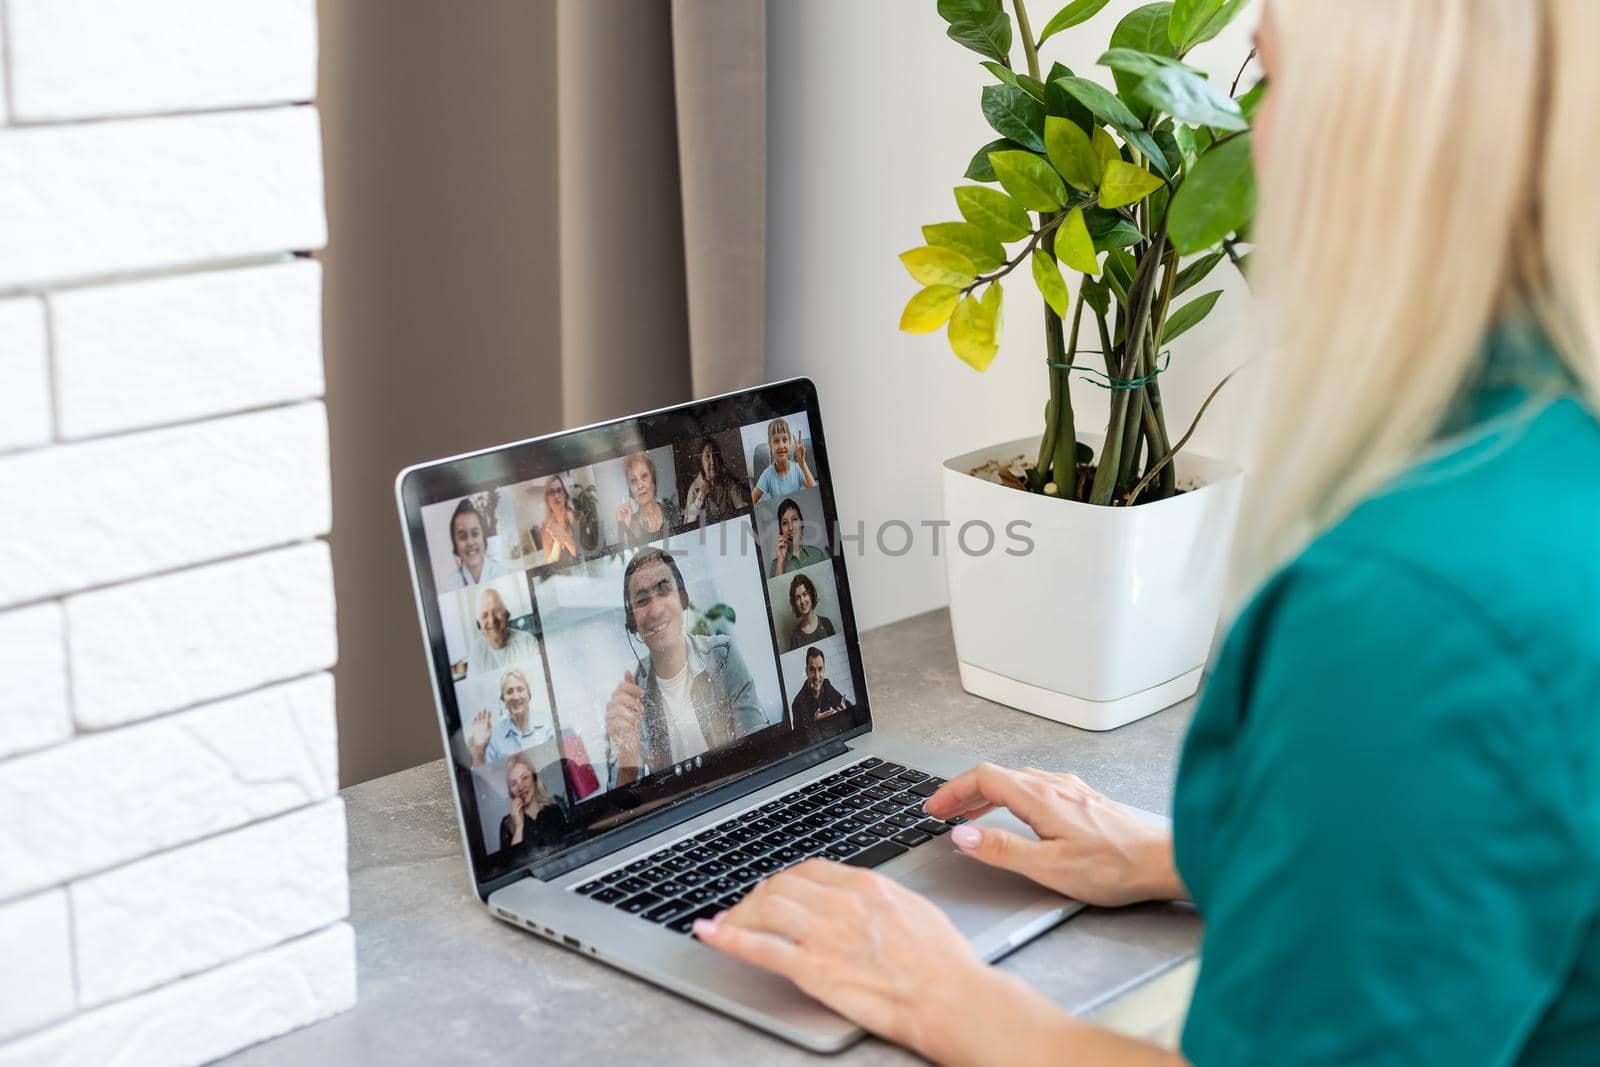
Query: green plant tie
{"x": 1107, "y": 381}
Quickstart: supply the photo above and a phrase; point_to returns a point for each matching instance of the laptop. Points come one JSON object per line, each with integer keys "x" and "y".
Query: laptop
{"x": 651, "y": 694}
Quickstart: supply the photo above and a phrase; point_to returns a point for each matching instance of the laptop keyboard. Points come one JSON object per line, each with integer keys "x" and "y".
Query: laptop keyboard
{"x": 864, "y": 815}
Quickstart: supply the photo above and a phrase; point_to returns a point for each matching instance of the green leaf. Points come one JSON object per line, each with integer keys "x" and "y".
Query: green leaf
{"x": 1184, "y": 95}
{"x": 1218, "y": 22}
{"x": 1069, "y": 16}
{"x": 1251, "y": 100}
{"x": 1189, "y": 17}
{"x": 1014, "y": 114}
{"x": 1002, "y": 73}
{"x": 1108, "y": 109}
{"x": 1144, "y": 29}
{"x": 1188, "y": 316}
{"x": 929, "y": 309}
{"x": 975, "y": 328}
{"x": 1195, "y": 273}
{"x": 956, "y": 10}
{"x": 1097, "y": 294}
{"x": 1105, "y": 146}
{"x": 1047, "y": 276}
{"x": 1074, "y": 246}
{"x": 1191, "y": 141}
{"x": 1083, "y": 454}
{"x": 1124, "y": 184}
{"x": 1110, "y": 230}
{"x": 980, "y": 169}
{"x": 1032, "y": 86}
{"x": 987, "y": 33}
{"x": 1120, "y": 267}
{"x": 976, "y": 244}
{"x": 992, "y": 210}
{"x": 1030, "y": 179}
{"x": 1071, "y": 153}
{"x": 935, "y": 265}
{"x": 1058, "y": 70}
{"x": 1216, "y": 199}
{"x": 1138, "y": 64}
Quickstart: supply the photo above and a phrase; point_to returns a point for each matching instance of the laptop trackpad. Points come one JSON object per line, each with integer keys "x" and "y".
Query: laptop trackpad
{"x": 976, "y": 896}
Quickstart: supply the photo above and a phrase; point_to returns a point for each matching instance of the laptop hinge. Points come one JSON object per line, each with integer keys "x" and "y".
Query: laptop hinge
{"x": 673, "y": 815}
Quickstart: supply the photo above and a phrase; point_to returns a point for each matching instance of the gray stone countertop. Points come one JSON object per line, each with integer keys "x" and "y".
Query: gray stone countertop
{"x": 440, "y": 981}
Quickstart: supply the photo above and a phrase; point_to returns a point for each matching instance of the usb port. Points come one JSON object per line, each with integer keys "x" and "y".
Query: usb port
{"x": 571, "y": 942}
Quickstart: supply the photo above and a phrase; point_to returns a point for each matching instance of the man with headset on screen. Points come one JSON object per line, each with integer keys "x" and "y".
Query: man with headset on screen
{"x": 690, "y": 694}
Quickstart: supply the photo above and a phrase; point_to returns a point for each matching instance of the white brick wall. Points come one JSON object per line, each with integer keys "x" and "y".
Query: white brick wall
{"x": 188, "y": 347}
{"x": 158, "y": 55}
{"x": 172, "y": 851}
{"x": 24, "y": 374}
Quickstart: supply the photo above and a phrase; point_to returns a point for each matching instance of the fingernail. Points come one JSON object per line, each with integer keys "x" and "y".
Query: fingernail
{"x": 966, "y": 836}
{"x": 705, "y": 926}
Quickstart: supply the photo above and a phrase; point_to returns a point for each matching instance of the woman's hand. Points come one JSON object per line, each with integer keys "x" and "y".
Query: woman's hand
{"x": 624, "y": 513}
{"x": 517, "y": 820}
{"x": 865, "y": 946}
{"x": 1091, "y": 848}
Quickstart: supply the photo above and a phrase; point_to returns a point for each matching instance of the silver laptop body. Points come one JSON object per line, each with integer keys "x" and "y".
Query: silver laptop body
{"x": 535, "y": 884}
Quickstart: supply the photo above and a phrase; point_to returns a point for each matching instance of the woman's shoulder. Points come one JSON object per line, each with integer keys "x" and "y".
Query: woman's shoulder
{"x": 1501, "y": 531}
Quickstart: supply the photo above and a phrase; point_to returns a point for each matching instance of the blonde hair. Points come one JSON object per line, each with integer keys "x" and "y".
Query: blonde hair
{"x": 517, "y": 672}
{"x": 541, "y": 795}
{"x": 1428, "y": 173}
{"x": 645, "y": 460}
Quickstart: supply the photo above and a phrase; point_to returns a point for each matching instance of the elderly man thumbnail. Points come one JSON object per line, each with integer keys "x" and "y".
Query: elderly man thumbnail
{"x": 501, "y": 643}
{"x": 691, "y": 694}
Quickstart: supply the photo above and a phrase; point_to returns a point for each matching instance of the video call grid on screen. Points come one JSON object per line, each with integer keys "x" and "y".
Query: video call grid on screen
{"x": 522, "y": 553}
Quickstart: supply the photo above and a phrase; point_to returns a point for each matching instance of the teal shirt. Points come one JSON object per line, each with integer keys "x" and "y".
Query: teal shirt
{"x": 1388, "y": 807}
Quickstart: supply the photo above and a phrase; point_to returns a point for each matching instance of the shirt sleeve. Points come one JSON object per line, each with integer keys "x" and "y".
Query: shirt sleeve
{"x": 1397, "y": 874}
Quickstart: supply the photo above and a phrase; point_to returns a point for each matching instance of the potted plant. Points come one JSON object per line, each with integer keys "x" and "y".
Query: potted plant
{"x": 1137, "y": 194}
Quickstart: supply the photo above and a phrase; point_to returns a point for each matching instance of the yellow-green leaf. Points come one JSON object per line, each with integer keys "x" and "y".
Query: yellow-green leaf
{"x": 933, "y": 265}
{"x": 1030, "y": 179}
{"x": 975, "y": 329}
{"x": 1124, "y": 184}
{"x": 929, "y": 309}
{"x": 1071, "y": 153}
{"x": 1047, "y": 276}
{"x": 1105, "y": 146}
{"x": 992, "y": 210}
{"x": 977, "y": 244}
{"x": 1074, "y": 246}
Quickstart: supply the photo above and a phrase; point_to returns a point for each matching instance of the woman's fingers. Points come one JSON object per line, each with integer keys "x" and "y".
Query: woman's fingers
{"x": 987, "y": 786}
{"x": 999, "y": 848}
{"x": 763, "y": 950}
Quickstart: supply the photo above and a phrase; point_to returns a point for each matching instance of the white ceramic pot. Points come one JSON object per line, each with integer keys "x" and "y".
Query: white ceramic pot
{"x": 1110, "y": 615}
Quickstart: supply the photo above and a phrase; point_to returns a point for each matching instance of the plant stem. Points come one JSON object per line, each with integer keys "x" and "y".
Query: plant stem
{"x": 1046, "y": 229}
{"x": 1030, "y": 50}
{"x": 1065, "y": 460}
{"x": 1140, "y": 295}
{"x": 1166, "y": 460}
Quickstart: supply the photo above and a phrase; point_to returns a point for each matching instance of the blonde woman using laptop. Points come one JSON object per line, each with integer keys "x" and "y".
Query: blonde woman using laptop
{"x": 1388, "y": 807}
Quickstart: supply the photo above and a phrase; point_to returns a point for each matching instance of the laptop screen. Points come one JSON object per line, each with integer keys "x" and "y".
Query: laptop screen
{"x": 627, "y": 614}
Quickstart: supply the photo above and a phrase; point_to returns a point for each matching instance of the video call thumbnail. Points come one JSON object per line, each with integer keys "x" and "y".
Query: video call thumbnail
{"x": 620, "y": 622}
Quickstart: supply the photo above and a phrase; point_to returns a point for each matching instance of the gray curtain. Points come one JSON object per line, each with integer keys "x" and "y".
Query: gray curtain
{"x": 663, "y": 200}
{"x": 541, "y": 213}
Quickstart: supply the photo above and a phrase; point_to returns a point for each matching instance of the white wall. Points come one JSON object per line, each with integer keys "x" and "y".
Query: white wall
{"x": 172, "y": 853}
{"x": 873, "y": 114}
